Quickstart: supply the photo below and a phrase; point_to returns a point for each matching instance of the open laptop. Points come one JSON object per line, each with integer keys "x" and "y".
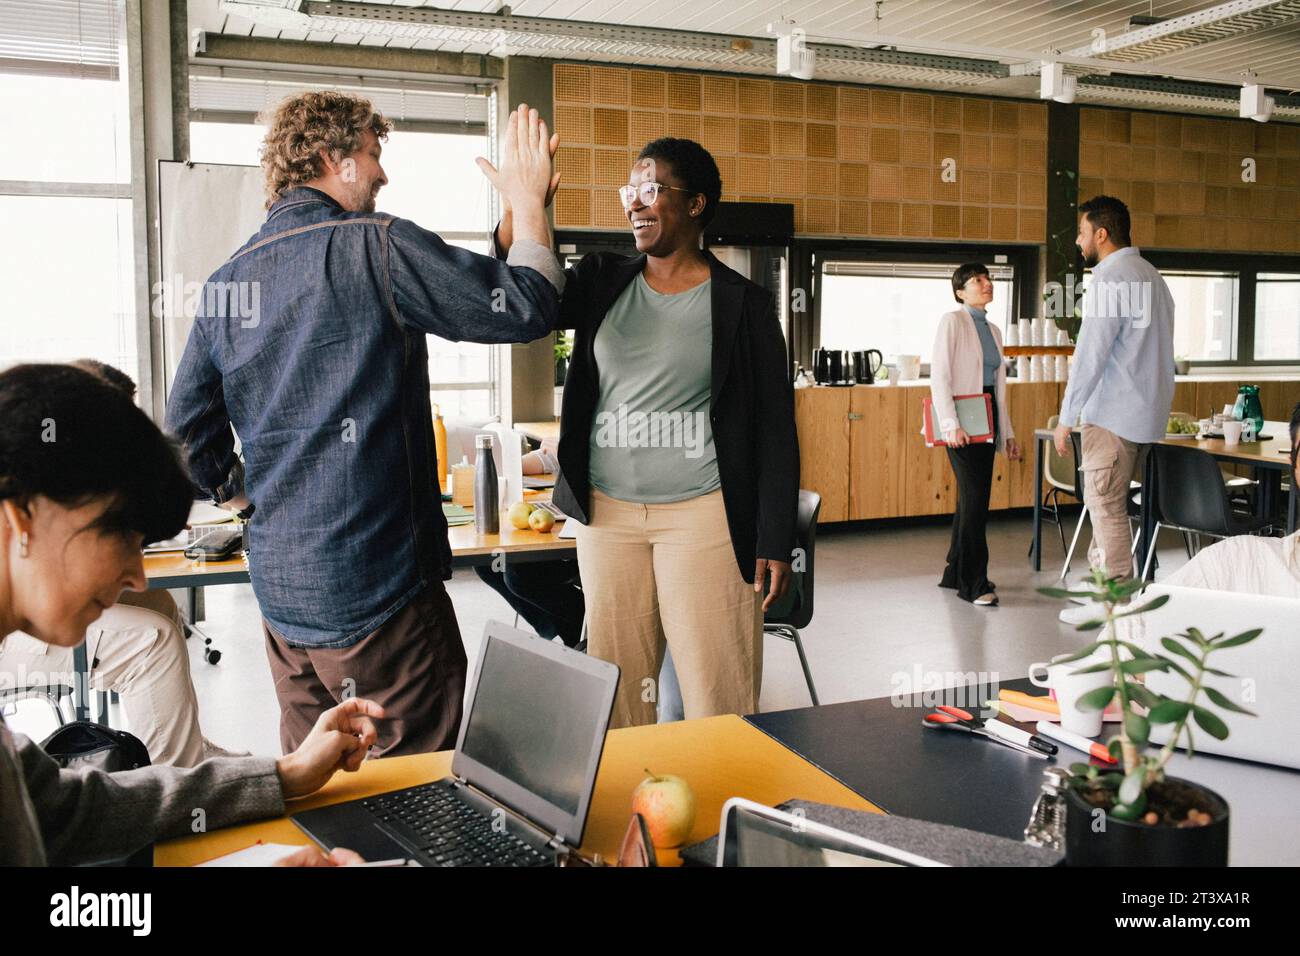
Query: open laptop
{"x": 751, "y": 834}
{"x": 522, "y": 775}
{"x": 1264, "y": 670}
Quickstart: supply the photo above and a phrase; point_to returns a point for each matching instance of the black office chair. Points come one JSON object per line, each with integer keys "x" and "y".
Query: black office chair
{"x": 785, "y": 617}
{"x": 1191, "y": 498}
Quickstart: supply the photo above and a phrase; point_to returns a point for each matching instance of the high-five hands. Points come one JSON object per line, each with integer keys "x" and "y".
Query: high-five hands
{"x": 527, "y": 172}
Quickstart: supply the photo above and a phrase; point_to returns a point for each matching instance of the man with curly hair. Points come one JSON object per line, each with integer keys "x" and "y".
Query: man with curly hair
{"x": 325, "y": 381}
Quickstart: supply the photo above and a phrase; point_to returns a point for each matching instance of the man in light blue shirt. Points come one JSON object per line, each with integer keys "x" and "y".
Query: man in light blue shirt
{"x": 1122, "y": 379}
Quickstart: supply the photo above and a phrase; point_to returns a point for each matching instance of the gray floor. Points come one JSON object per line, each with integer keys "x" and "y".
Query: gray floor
{"x": 879, "y": 622}
{"x": 881, "y": 625}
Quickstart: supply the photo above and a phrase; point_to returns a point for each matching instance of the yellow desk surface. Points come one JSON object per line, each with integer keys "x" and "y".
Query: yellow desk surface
{"x": 465, "y": 543}
{"x": 721, "y": 757}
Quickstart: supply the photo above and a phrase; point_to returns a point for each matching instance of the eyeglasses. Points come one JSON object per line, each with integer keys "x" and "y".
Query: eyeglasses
{"x": 647, "y": 191}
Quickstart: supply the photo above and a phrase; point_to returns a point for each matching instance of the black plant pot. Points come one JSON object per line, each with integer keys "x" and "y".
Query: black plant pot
{"x": 561, "y": 370}
{"x": 1121, "y": 843}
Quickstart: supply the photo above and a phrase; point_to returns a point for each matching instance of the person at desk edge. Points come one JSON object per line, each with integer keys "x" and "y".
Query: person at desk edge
{"x": 674, "y": 543}
{"x": 967, "y": 360}
{"x": 74, "y": 515}
{"x": 327, "y": 387}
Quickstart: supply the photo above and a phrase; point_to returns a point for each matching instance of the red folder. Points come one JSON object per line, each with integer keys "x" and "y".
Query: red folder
{"x": 984, "y": 433}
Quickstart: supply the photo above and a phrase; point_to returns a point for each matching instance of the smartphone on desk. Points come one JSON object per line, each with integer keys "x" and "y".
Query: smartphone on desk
{"x": 217, "y": 545}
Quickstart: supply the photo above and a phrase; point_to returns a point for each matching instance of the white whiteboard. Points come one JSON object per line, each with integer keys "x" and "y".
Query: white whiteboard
{"x": 206, "y": 211}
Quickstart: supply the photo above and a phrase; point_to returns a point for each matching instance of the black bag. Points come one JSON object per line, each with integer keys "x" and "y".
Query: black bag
{"x": 85, "y": 745}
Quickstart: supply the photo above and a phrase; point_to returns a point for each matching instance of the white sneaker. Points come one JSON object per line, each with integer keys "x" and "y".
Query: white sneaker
{"x": 1082, "y": 613}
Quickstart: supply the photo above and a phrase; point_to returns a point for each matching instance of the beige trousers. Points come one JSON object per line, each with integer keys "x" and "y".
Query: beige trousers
{"x": 667, "y": 572}
{"x": 140, "y": 653}
{"x": 1109, "y": 463}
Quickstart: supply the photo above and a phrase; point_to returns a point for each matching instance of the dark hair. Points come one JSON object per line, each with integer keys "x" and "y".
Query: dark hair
{"x": 1107, "y": 212}
{"x": 964, "y": 274}
{"x": 693, "y": 165}
{"x": 109, "y": 373}
{"x": 69, "y": 436}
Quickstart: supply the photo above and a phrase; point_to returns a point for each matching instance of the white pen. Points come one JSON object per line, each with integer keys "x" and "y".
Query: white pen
{"x": 1014, "y": 734}
{"x": 1077, "y": 741}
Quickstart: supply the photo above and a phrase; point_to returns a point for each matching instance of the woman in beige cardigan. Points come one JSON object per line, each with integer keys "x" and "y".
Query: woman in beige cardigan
{"x": 967, "y": 360}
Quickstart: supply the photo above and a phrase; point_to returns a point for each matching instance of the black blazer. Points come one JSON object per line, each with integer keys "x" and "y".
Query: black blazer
{"x": 751, "y": 404}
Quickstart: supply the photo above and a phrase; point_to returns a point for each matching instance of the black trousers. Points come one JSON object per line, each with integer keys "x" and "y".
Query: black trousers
{"x": 544, "y": 593}
{"x": 968, "y": 552}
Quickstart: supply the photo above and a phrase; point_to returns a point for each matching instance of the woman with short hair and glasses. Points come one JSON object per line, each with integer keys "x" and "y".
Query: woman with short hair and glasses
{"x": 967, "y": 360}
{"x": 678, "y": 452}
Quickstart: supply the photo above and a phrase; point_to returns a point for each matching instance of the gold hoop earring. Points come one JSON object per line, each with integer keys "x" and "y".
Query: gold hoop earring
{"x": 22, "y": 545}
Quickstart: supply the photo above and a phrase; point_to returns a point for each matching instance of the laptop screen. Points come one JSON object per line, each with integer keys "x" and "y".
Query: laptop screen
{"x": 537, "y": 721}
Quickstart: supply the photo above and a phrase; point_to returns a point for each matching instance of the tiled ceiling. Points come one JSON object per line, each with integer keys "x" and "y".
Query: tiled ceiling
{"x": 1030, "y": 26}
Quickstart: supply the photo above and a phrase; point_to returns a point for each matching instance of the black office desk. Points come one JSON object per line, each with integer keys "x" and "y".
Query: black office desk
{"x": 882, "y": 752}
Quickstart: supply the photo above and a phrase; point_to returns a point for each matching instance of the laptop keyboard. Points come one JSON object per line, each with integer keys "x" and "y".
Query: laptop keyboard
{"x": 449, "y": 832}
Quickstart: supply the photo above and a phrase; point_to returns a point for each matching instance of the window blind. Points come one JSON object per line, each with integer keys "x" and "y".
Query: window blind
{"x": 61, "y": 37}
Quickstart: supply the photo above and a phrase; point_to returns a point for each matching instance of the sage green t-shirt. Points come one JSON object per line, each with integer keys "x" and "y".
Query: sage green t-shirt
{"x": 651, "y": 441}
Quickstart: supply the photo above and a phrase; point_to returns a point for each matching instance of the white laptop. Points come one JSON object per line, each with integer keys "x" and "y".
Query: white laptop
{"x": 1266, "y": 671}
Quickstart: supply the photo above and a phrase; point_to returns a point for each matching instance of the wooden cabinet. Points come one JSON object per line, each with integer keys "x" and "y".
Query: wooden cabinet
{"x": 931, "y": 487}
{"x": 861, "y": 449}
{"x": 877, "y": 419}
{"x": 822, "y": 417}
{"x": 1032, "y": 404}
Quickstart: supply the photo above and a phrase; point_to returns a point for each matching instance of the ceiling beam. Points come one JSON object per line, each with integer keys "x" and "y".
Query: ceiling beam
{"x": 227, "y": 49}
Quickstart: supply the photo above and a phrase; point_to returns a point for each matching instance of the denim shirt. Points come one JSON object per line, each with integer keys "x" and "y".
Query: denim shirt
{"x": 326, "y": 383}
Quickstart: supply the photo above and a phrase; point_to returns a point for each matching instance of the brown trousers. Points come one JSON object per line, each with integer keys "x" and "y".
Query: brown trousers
{"x": 1109, "y": 462}
{"x": 413, "y": 666}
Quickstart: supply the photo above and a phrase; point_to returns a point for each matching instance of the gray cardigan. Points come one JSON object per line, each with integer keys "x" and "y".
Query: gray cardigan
{"x": 61, "y": 817}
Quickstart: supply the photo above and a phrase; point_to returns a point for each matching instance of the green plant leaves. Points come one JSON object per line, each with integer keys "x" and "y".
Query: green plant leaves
{"x": 1243, "y": 638}
{"x": 1079, "y": 655}
{"x": 1064, "y": 593}
{"x": 1158, "y": 601}
{"x": 1227, "y": 703}
{"x": 1140, "y": 693}
{"x": 1116, "y": 748}
{"x": 1169, "y": 711}
{"x": 1173, "y": 647}
{"x": 1094, "y": 668}
{"x": 1137, "y": 728}
{"x": 1140, "y": 665}
{"x": 1131, "y": 788}
{"x": 1209, "y": 722}
{"x": 1130, "y": 811}
{"x": 1095, "y": 699}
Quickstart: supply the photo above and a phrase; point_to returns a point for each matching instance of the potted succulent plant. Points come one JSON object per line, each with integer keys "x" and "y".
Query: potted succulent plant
{"x": 1136, "y": 815}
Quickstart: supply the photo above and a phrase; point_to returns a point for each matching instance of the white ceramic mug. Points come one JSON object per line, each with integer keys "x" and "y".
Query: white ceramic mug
{"x": 1232, "y": 432}
{"x": 1012, "y": 336}
{"x": 1067, "y": 687}
{"x": 909, "y": 367}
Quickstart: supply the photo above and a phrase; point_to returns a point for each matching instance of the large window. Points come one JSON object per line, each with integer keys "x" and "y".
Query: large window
{"x": 433, "y": 181}
{"x": 1205, "y": 314}
{"x": 895, "y": 307}
{"x": 67, "y": 262}
{"x": 1277, "y": 316}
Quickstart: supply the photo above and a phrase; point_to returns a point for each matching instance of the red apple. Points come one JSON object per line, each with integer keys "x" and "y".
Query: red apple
{"x": 668, "y": 807}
